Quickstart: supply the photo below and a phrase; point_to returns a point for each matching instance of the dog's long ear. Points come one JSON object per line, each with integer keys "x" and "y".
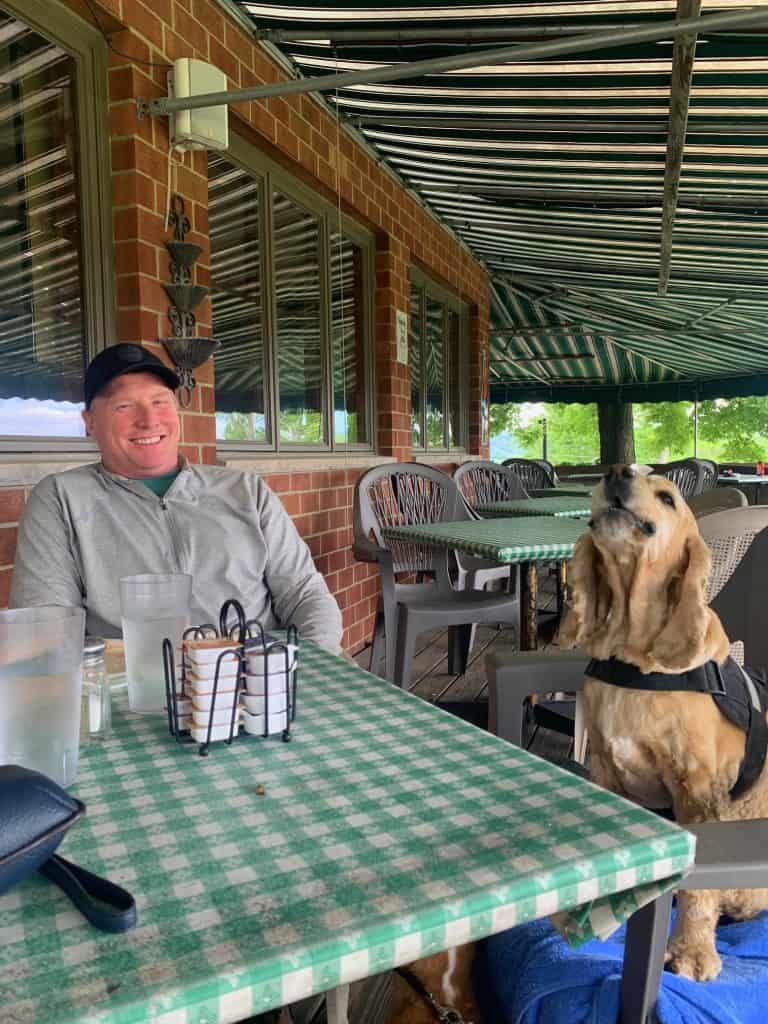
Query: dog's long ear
{"x": 684, "y": 641}
{"x": 585, "y": 609}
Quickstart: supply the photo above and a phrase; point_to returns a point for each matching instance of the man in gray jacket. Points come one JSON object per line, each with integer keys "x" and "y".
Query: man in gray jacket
{"x": 143, "y": 509}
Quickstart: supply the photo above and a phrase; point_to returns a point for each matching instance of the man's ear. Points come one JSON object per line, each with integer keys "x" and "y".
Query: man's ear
{"x": 87, "y": 420}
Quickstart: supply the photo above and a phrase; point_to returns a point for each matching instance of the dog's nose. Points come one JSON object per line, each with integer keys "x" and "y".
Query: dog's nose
{"x": 618, "y": 481}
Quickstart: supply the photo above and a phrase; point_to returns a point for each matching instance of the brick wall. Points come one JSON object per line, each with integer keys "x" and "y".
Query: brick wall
{"x": 297, "y": 132}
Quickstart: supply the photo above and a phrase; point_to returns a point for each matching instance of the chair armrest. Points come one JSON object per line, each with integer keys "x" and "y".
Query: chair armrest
{"x": 729, "y": 855}
{"x": 513, "y": 677}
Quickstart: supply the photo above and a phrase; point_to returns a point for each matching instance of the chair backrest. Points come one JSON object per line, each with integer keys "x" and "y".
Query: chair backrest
{"x": 717, "y": 500}
{"x": 403, "y": 494}
{"x": 483, "y": 482}
{"x": 686, "y": 474}
{"x": 532, "y": 472}
{"x": 738, "y": 587}
{"x": 710, "y": 474}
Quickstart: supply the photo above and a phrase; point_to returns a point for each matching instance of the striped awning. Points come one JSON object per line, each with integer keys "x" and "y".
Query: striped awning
{"x": 573, "y": 179}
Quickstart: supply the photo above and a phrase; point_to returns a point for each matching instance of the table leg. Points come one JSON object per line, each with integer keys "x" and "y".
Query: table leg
{"x": 528, "y": 606}
{"x": 562, "y": 581}
{"x": 337, "y": 1005}
{"x": 644, "y": 946}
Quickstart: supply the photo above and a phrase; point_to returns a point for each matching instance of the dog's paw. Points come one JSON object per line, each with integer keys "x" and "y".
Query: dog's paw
{"x": 699, "y": 963}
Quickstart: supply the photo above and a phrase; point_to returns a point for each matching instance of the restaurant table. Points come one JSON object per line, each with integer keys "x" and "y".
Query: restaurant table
{"x": 565, "y": 490}
{"x": 554, "y": 505}
{"x": 387, "y": 830}
{"x": 753, "y": 481}
{"x": 527, "y": 540}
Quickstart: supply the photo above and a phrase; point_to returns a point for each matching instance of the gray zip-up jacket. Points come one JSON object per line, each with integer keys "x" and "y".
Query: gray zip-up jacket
{"x": 85, "y": 528}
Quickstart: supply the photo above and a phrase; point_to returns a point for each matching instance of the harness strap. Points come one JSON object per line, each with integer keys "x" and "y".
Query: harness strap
{"x": 443, "y": 1014}
{"x": 740, "y": 695}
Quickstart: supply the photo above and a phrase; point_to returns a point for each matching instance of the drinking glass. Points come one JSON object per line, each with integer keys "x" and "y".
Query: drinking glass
{"x": 41, "y": 672}
{"x": 154, "y": 606}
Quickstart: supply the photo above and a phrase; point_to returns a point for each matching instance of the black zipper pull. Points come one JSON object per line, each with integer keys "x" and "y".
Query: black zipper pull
{"x": 163, "y": 505}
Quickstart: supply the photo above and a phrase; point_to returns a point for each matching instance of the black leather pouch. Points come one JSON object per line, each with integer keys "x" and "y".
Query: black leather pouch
{"x": 35, "y": 815}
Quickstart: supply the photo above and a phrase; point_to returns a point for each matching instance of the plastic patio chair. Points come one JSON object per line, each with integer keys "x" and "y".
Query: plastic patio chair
{"x": 717, "y": 500}
{"x": 484, "y": 482}
{"x": 534, "y": 473}
{"x": 688, "y": 475}
{"x": 711, "y": 473}
{"x": 406, "y": 494}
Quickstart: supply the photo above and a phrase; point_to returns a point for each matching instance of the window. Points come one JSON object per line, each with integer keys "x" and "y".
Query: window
{"x": 437, "y": 357}
{"x": 291, "y": 291}
{"x": 55, "y": 230}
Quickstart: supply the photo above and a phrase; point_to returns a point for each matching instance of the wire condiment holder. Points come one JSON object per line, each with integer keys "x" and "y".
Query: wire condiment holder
{"x": 242, "y": 670}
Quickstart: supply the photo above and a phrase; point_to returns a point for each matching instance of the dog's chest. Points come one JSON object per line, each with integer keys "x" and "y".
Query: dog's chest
{"x": 632, "y": 741}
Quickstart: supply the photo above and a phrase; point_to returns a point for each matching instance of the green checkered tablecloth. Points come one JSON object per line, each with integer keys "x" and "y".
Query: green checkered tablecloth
{"x": 557, "y": 505}
{"x": 388, "y": 830}
{"x": 522, "y": 539}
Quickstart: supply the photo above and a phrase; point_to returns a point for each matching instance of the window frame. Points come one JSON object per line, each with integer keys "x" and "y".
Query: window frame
{"x": 271, "y": 178}
{"x": 87, "y": 47}
{"x": 430, "y": 288}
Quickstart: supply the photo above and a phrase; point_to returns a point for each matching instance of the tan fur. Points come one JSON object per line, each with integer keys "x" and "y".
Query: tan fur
{"x": 448, "y": 976}
{"x": 641, "y": 598}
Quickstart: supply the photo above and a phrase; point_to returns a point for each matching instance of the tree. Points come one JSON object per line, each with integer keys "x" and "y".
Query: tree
{"x": 739, "y": 426}
{"x": 663, "y": 431}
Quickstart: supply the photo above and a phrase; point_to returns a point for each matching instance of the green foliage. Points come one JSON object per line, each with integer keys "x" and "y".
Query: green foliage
{"x": 738, "y": 427}
{"x": 730, "y": 430}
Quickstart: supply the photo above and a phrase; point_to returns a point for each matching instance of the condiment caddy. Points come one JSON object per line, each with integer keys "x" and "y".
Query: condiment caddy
{"x": 235, "y": 680}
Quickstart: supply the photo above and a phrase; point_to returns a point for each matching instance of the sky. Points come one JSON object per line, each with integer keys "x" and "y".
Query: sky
{"x": 31, "y": 417}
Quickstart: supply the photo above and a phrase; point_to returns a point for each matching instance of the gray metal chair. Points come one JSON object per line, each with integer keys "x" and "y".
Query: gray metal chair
{"x": 405, "y": 494}
{"x": 717, "y": 500}
{"x": 534, "y": 473}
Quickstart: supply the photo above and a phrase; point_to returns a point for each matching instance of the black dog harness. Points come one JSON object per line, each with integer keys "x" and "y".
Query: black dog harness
{"x": 740, "y": 694}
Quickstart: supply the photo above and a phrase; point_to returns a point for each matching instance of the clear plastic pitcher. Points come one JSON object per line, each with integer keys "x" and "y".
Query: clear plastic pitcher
{"x": 41, "y": 671}
{"x": 153, "y": 606}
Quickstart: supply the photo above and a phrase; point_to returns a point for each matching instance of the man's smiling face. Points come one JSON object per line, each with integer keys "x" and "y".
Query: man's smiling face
{"x": 135, "y": 422}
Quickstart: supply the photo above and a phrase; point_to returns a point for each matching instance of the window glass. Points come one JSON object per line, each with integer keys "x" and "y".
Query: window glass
{"x": 298, "y": 311}
{"x": 42, "y": 328}
{"x": 236, "y": 302}
{"x": 348, "y": 341}
{"x": 434, "y": 367}
{"x": 414, "y": 358}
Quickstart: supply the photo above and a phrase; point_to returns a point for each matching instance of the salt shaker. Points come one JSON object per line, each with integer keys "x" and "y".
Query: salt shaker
{"x": 96, "y": 708}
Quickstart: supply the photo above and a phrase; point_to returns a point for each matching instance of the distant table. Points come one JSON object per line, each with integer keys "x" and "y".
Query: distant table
{"x": 581, "y": 478}
{"x": 565, "y": 490}
{"x": 388, "y": 830}
{"x": 556, "y": 505}
{"x": 524, "y": 540}
{"x": 744, "y": 480}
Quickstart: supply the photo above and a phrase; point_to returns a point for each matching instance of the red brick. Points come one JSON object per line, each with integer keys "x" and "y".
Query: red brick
{"x": 11, "y": 505}
{"x": 196, "y": 429}
{"x": 5, "y": 587}
{"x": 8, "y": 536}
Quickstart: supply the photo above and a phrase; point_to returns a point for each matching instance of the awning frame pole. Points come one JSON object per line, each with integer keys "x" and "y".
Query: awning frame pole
{"x": 696, "y": 428}
{"x": 508, "y": 54}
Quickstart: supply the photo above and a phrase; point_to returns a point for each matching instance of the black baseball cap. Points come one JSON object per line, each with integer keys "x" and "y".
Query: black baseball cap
{"x": 116, "y": 360}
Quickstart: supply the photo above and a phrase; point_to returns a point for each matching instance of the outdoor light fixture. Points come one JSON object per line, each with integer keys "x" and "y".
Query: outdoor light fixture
{"x": 185, "y": 349}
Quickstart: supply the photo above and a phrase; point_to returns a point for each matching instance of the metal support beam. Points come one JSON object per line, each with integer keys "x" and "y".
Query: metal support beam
{"x": 572, "y": 199}
{"x": 679, "y": 99}
{"x": 478, "y": 58}
{"x": 431, "y": 34}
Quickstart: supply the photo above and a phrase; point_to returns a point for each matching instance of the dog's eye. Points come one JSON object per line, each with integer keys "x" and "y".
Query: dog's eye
{"x": 666, "y": 497}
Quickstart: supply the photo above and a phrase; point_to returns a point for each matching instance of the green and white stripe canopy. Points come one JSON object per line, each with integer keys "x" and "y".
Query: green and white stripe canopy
{"x": 560, "y": 174}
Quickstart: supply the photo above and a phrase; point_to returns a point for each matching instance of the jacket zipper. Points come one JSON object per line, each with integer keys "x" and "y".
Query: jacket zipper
{"x": 164, "y": 508}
